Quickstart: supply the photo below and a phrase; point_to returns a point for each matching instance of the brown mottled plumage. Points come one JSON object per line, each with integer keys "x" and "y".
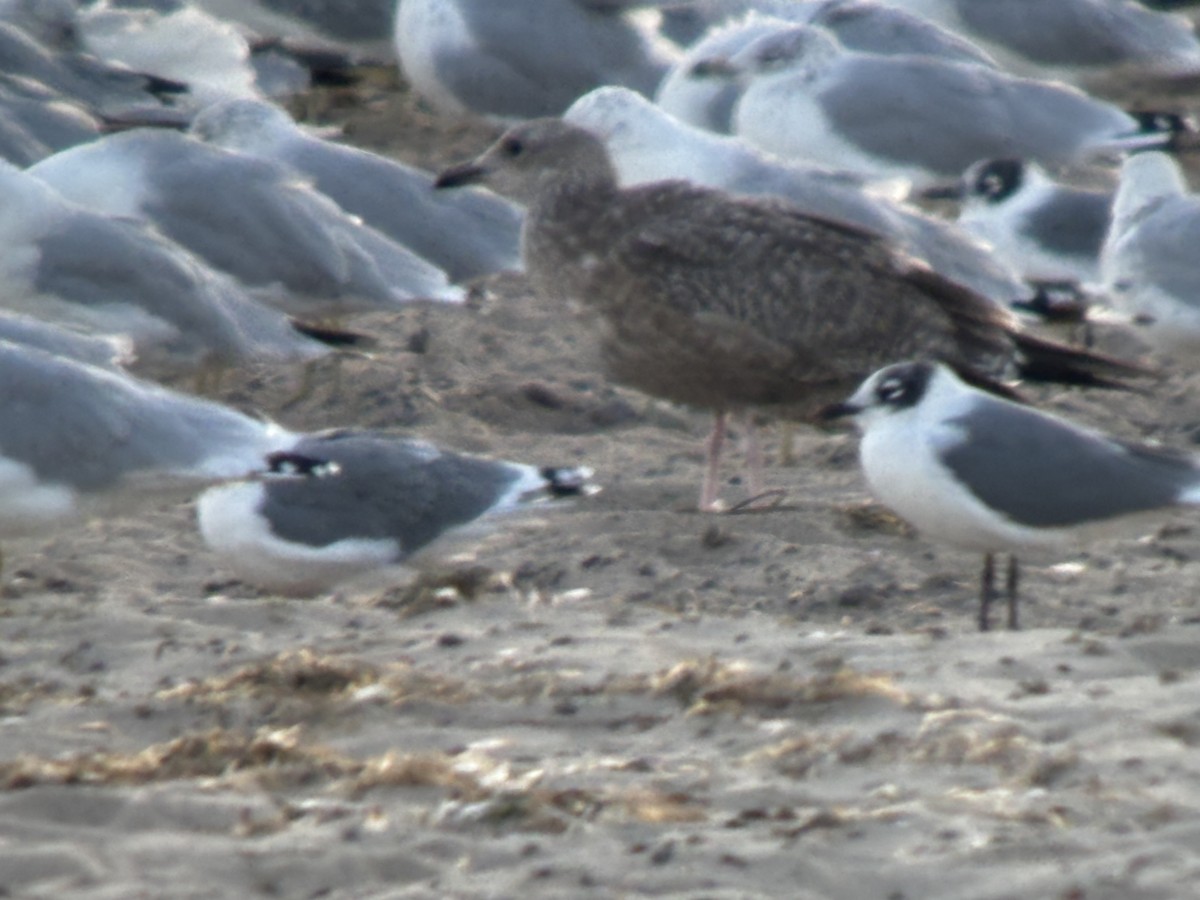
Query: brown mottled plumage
{"x": 726, "y": 302}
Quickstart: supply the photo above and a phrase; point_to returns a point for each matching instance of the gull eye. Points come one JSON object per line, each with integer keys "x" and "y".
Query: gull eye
{"x": 890, "y": 390}
{"x": 513, "y": 147}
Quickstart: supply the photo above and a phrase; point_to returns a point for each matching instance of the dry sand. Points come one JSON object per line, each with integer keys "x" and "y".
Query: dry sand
{"x": 625, "y": 699}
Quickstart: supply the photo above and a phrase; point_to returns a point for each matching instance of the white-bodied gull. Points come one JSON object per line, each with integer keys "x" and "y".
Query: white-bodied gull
{"x": 520, "y": 58}
{"x": 1149, "y": 266}
{"x": 911, "y": 117}
{"x": 986, "y": 474}
{"x": 257, "y": 219}
{"x": 467, "y": 234}
{"x": 115, "y": 276}
{"x": 1045, "y": 230}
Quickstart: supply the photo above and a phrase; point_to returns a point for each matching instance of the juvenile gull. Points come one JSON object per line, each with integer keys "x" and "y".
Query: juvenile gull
{"x": 520, "y": 58}
{"x": 467, "y": 234}
{"x": 921, "y": 119}
{"x": 647, "y": 144}
{"x": 114, "y": 276}
{"x": 989, "y": 475}
{"x": 1149, "y": 265}
{"x": 1045, "y": 230}
{"x": 374, "y": 500}
{"x": 1069, "y": 39}
{"x": 258, "y": 220}
{"x": 727, "y": 302}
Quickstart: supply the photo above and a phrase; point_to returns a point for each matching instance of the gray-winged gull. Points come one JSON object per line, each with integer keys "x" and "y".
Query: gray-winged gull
{"x": 115, "y": 276}
{"x": 520, "y": 58}
{"x": 467, "y": 234}
{"x": 372, "y": 500}
{"x": 106, "y": 351}
{"x": 1045, "y": 230}
{"x": 985, "y": 474}
{"x": 36, "y": 121}
{"x": 1149, "y": 268}
{"x": 726, "y": 302}
{"x": 1069, "y": 39}
{"x": 921, "y": 119}
{"x": 360, "y": 28}
{"x": 689, "y": 93}
{"x": 78, "y": 440}
{"x": 259, "y": 220}
{"x": 647, "y": 144}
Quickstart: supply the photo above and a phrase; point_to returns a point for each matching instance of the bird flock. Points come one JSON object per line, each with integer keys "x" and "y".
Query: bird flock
{"x": 743, "y": 199}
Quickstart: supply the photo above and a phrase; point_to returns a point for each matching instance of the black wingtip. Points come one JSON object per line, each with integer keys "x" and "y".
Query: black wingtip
{"x": 300, "y": 465}
{"x": 564, "y": 481}
{"x": 1040, "y": 359}
{"x": 333, "y": 337}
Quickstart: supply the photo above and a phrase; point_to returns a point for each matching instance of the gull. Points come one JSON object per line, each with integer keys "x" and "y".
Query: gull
{"x": 520, "y": 58}
{"x": 67, "y": 264}
{"x": 990, "y": 475}
{"x": 1045, "y": 230}
{"x": 725, "y": 302}
{"x": 647, "y": 144}
{"x": 691, "y": 93}
{"x": 80, "y": 441}
{"x": 360, "y": 28}
{"x": 258, "y": 220}
{"x": 1148, "y": 264}
{"x": 1069, "y": 40}
{"x": 920, "y": 119}
{"x": 105, "y": 351}
{"x": 350, "y": 502}
{"x": 469, "y": 234}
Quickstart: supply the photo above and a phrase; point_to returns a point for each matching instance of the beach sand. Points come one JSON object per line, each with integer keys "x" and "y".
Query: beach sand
{"x": 620, "y": 698}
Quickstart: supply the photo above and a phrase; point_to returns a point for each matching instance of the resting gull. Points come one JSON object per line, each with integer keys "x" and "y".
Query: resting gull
{"x": 726, "y": 302}
{"x": 1069, "y": 39}
{"x": 371, "y": 500}
{"x": 1148, "y": 264}
{"x": 106, "y": 351}
{"x": 256, "y": 219}
{"x": 79, "y": 441}
{"x": 690, "y": 93}
{"x": 921, "y": 119}
{"x": 986, "y": 474}
{"x": 115, "y": 276}
{"x": 520, "y": 58}
{"x": 1045, "y": 230}
{"x": 468, "y": 234}
{"x": 647, "y": 144}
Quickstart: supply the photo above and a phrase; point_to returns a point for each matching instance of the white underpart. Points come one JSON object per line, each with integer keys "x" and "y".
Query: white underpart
{"x": 111, "y": 182}
{"x": 899, "y": 454}
{"x": 27, "y": 505}
{"x": 426, "y": 30}
{"x": 999, "y": 225}
{"x": 232, "y": 525}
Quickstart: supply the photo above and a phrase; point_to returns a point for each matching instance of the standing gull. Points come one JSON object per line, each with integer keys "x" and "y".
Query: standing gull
{"x": 520, "y": 58}
{"x": 372, "y": 500}
{"x": 1045, "y": 230}
{"x": 727, "y": 302}
{"x": 993, "y": 476}
{"x": 921, "y": 119}
{"x": 469, "y": 234}
{"x": 258, "y": 220}
{"x": 1149, "y": 265}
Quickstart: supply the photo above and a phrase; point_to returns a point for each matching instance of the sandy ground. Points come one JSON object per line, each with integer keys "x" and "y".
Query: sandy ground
{"x": 624, "y": 699}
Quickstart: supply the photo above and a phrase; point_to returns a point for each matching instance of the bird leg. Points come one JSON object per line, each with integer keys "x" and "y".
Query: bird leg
{"x": 752, "y": 450}
{"x": 712, "y": 463}
{"x": 1010, "y": 587}
{"x": 987, "y": 590}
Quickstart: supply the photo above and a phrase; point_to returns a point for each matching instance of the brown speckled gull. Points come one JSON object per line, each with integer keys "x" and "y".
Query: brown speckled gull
{"x": 726, "y": 302}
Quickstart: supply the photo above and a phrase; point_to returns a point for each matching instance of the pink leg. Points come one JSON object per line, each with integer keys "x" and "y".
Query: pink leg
{"x": 752, "y": 448}
{"x": 712, "y": 462}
